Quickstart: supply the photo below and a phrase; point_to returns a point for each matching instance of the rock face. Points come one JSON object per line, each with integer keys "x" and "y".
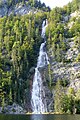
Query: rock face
{"x": 75, "y": 85}
{"x": 20, "y": 9}
{"x": 13, "y": 109}
{"x": 48, "y": 92}
{"x": 69, "y": 70}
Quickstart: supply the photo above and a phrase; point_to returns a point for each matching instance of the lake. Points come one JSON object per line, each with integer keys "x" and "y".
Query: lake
{"x": 39, "y": 117}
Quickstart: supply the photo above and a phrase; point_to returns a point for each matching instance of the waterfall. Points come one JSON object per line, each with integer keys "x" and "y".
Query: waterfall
{"x": 38, "y": 100}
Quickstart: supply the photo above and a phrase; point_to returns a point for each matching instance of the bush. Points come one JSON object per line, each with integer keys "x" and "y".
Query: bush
{"x": 78, "y": 58}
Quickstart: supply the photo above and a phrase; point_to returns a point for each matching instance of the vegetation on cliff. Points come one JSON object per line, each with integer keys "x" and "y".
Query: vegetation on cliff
{"x": 20, "y": 39}
{"x": 63, "y": 44}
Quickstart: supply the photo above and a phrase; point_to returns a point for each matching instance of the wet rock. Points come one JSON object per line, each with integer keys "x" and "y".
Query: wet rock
{"x": 0, "y": 109}
{"x": 48, "y": 93}
{"x": 32, "y": 70}
{"x": 12, "y": 109}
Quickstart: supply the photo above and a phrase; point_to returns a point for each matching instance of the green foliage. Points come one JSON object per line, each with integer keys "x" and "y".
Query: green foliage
{"x": 68, "y": 103}
{"x": 77, "y": 42}
{"x": 78, "y": 58}
{"x": 20, "y": 39}
{"x": 56, "y": 40}
{"x": 57, "y": 33}
{"x": 58, "y": 30}
{"x": 64, "y": 102}
{"x": 50, "y": 75}
{"x": 33, "y": 3}
{"x": 64, "y": 82}
{"x": 71, "y": 7}
{"x": 77, "y": 102}
{"x": 58, "y": 100}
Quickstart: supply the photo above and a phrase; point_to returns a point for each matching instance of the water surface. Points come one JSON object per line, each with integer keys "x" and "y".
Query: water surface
{"x": 39, "y": 117}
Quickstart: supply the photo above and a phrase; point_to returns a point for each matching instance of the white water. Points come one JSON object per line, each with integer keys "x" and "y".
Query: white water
{"x": 38, "y": 100}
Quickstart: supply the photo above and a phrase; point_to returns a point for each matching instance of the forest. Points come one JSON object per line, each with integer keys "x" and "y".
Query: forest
{"x": 20, "y": 40}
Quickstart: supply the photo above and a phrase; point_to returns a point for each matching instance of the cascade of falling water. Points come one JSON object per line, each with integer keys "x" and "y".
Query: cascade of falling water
{"x": 38, "y": 101}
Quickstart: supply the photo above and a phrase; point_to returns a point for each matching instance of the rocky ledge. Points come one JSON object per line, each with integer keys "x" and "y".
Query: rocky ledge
{"x": 12, "y": 109}
{"x": 69, "y": 72}
{"x": 18, "y": 9}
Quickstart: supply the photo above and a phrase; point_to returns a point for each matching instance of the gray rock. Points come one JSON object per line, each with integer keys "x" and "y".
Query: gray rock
{"x": 32, "y": 70}
{"x": 13, "y": 109}
{"x": 19, "y": 9}
{"x": 75, "y": 84}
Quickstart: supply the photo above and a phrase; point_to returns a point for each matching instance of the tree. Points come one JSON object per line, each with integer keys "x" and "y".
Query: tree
{"x": 58, "y": 98}
{"x": 58, "y": 53}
